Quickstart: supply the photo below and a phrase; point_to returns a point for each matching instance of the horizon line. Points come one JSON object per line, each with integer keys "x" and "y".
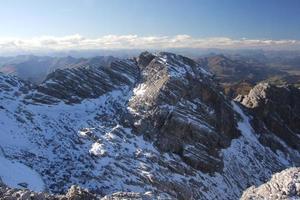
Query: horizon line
{"x": 135, "y": 42}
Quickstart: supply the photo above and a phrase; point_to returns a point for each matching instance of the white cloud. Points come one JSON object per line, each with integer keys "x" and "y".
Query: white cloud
{"x": 78, "y": 42}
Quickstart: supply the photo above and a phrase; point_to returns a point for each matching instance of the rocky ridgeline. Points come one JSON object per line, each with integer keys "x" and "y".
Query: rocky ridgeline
{"x": 156, "y": 125}
{"x": 178, "y": 106}
{"x": 87, "y": 81}
{"x": 282, "y": 186}
{"x": 74, "y": 193}
{"x": 276, "y": 112}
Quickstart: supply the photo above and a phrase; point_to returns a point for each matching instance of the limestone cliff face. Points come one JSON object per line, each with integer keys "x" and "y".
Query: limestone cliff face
{"x": 276, "y": 112}
{"x": 88, "y": 81}
{"x": 178, "y": 105}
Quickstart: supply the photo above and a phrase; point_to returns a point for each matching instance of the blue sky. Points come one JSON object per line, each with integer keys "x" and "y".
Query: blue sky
{"x": 271, "y": 19}
{"x": 108, "y": 24}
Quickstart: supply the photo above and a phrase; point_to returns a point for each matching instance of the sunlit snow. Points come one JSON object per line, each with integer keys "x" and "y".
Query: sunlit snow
{"x": 17, "y": 175}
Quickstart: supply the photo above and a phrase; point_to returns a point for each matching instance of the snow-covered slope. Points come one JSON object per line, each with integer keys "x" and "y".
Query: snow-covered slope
{"x": 157, "y": 125}
{"x": 17, "y": 175}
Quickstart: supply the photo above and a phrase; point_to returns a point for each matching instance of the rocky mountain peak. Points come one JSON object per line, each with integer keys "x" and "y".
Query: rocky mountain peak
{"x": 276, "y": 108}
{"x": 258, "y": 95}
{"x": 157, "y": 126}
{"x": 177, "y": 105}
{"x": 144, "y": 59}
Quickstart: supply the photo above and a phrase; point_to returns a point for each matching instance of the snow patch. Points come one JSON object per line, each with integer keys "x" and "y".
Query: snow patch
{"x": 244, "y": 125}
{"x": 18, "y": 175}
{"x": 140, "y": 90}
{"x": 97, "y": 149}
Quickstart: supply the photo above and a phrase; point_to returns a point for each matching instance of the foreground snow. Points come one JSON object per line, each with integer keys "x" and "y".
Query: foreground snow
{"x": 18, "y": 175}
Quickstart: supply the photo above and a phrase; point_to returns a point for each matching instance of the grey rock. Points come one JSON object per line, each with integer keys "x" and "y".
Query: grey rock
{"x": 74, "y": 193}
{"x": 90, "y": 80}
{"x": 282, "y": 186}
{"x": 178, "y": 105}
{"x": 276, "y": 111}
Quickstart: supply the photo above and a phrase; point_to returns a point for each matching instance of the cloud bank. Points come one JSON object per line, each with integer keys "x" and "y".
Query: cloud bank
{"x": 78, "y": 42}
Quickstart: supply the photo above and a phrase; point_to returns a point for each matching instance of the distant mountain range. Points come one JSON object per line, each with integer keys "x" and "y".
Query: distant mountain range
{"x": 233, "y": 69}
{"x": 238, "y": 74}
{"x": 35, "y": 69}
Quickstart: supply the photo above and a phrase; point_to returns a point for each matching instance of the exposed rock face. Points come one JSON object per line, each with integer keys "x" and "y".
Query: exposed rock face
{"x": 284, "y": 185}
{"x": 276, "y": 111}
{"x": 89, "y": 81}
{"x": 129, "y": 196}
{"x": 179, "y": 106}
{"x": 36, "y": 68}
{"x": 74, "y": 193}
{"x": 157, "y": 125}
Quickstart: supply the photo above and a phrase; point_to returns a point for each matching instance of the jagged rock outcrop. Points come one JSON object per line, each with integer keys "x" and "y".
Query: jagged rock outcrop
{"x": 88, "y": 81}
{"x": 276, "y": 111}
{"x": 74, "y": 193}
{"x": 282, "y": 186}
{"x": 129, "y": 196}
{"x": 179, "y": 106}
{"x": 36, "y": 68}
{"x": 157, "y": 125}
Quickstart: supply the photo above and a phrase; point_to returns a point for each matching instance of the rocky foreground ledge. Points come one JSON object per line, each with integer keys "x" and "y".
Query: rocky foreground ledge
{"x": 284, "y": 185}
{"x": 74, "y": 193}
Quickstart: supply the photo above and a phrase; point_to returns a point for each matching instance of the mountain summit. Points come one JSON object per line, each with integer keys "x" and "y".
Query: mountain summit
{"x": 157, "y": 125}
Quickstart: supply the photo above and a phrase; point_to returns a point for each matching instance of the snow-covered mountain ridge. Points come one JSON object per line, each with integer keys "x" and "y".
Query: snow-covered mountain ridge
{"x": 155, "y": 125}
